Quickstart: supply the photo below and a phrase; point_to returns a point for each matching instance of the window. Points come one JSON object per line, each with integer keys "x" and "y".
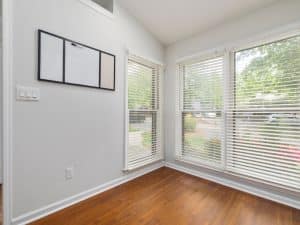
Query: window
{"x": 260, "y": 111}
{"x": 264, "y": 138}
{"x": 201, "y": 112}
{"x": 144, "y": 113}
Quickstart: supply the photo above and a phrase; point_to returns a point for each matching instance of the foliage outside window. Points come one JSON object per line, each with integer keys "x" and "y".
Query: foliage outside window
{"x": 202, "y": 110}
{"x": 261, "y": 138}
{"x": 143, "y": 112}
{"x": 265, "y": 138}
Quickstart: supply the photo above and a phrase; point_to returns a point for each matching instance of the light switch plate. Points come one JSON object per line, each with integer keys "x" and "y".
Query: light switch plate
{"x": 69, "y": 173}
{"x": 27, "y": 93}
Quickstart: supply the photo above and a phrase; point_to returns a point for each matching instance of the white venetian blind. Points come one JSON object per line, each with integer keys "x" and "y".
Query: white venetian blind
{"x": 201, "y": 110}
{"x": 144, "y": 122}
{"x": 263, "y": 121}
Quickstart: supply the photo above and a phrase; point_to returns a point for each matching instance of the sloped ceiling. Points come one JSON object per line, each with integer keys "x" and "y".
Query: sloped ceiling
{"x": 174, "y": 20}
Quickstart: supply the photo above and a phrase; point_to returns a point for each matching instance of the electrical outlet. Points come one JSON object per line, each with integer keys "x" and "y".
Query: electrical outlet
{"x": 69, "y": 173}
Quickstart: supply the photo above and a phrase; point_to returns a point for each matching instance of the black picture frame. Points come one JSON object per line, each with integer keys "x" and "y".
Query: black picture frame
{"x": 40, "y": 32}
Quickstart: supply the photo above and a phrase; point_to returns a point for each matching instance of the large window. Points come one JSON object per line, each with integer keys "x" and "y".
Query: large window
{"x": 144, "y": 113}
{"x": 264, "y": 138}
{"x": 202, "y": 110}
{"x": 260, "y": 111}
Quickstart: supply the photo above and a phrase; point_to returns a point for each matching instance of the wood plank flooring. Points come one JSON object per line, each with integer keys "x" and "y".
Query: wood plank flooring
{"x": 169, "y": 197}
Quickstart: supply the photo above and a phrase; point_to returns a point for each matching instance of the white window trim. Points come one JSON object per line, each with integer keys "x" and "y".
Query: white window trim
{"x": 266, "y": 38}
{"x": 97, "y": 8}
{"x": 7, "y": 108}
{"x": 126, "y": 116}
{"x": 228, "y": 51}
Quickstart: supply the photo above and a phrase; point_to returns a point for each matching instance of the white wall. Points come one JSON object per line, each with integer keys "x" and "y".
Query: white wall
{"x": 70, "y": 125}
{"x": 1, "y": 107}
{"x": 276, "y": 16}
{"x": 82, "y": 126}
{"x": 1, "y": 104}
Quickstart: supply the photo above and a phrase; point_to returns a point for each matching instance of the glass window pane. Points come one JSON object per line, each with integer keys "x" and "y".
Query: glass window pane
{"x": 203, "y": 86}
{"x": 141, "y": 86}
{"x": 142, "y": 135}
{"x": 144, "y": 131}
{"x": 268, "y": 76}
{"x": 202, "y": 135}
{"x": 265, "y": 142}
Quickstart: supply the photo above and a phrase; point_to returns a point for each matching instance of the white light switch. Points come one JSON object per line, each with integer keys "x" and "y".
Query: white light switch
{"x": 28, "y": 93}
{"x": 69, "y": 173}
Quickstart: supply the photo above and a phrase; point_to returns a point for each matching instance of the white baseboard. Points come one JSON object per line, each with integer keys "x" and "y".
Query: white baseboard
{"x": 52, "y": 208}
{"x": 49, "y": 209}
{"x": 238, "y": 186}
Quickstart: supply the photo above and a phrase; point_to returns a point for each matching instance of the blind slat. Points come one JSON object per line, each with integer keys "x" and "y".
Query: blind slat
{"x": 261, "y": 114}
{"x": 263, "y": 120}
{"x": 144, "y": 134}
{"x": 202, "y": 91}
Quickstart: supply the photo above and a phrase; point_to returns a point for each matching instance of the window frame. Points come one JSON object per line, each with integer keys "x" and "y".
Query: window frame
{"x": 233, "y": 51}
{"x": 180, "y": 111}
{"x": 229, "y": 51}
{"x": 158, "y": 112}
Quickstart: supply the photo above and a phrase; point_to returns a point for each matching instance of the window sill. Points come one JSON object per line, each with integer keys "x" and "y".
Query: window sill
{"x": 141, "y": 165}
{"x": 193, "y": 162}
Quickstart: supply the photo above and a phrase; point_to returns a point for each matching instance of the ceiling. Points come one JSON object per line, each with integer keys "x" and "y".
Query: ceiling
{"x": 174, "y": 20}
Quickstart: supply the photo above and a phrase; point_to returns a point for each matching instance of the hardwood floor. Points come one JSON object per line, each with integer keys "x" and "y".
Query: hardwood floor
{"x": 169, "y": 197}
